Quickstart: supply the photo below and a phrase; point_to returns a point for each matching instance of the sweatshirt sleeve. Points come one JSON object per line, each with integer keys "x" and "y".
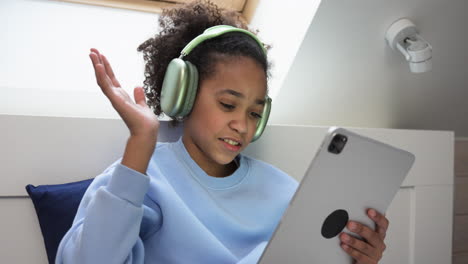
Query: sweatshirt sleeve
{"x": 107, "y": 225}
{"x": 254, "y": 256}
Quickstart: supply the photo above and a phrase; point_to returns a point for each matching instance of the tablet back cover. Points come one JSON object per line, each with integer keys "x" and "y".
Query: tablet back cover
{"x": 366, "y": 174}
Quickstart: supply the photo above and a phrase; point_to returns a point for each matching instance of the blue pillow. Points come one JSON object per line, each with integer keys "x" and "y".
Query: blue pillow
{"x": 56, "y": 206}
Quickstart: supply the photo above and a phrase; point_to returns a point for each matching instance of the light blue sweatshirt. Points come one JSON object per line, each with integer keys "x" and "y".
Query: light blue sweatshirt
{"x": 177, "y": 214}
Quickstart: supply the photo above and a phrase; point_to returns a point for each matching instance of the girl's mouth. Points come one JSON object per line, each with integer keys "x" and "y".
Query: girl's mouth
{"x": 230, "y": 144}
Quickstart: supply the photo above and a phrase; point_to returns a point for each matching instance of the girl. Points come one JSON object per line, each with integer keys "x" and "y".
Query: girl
{"x": 198, "y": 200}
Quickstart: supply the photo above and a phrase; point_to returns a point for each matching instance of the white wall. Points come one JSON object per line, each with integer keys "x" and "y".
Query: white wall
{"x": 345, "y": 74}
{"x": 46, "y": 70}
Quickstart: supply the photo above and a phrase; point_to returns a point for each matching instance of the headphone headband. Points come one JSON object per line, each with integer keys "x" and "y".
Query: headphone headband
{"x": 213, "y": 32}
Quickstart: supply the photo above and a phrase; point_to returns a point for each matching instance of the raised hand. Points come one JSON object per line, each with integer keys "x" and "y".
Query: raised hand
{"x": 369, "y": 250}
{"x": 138, "y": 117}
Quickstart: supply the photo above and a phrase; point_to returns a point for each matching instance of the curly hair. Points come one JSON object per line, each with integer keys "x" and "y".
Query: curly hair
{"x": 182, "y": 24}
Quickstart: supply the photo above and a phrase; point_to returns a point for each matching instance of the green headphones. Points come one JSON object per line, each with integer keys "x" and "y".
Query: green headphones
{"x": 181, "y": 79}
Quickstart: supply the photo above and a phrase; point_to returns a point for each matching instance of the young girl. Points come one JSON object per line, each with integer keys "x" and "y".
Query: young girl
{"x": 198, "y": 200}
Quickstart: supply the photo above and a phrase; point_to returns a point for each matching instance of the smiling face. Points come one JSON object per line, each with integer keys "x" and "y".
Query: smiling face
{"x": 225, "y": 113}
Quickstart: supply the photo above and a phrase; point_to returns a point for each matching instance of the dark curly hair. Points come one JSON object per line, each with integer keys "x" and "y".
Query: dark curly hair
{"x": 182, "y": 24}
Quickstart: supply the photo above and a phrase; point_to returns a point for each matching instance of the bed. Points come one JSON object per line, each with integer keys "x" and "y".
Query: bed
{"x": 55, "y": 150}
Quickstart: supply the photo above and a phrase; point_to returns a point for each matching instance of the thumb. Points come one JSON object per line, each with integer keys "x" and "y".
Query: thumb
{"x": 139, "y": 96}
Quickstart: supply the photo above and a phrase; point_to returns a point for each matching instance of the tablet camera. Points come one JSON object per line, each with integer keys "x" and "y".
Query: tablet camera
{"x": 337, "y": 143}
{"x": 334, "y": 223}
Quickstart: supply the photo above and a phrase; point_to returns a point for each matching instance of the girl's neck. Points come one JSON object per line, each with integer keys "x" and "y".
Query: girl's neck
{"x": 210, "y": 167}
{"x": 222, "y": 171}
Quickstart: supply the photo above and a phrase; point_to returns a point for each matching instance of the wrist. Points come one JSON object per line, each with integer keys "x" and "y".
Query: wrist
{"x": 138, "y": 152}
{"x": 149, "y": 137}
{"x": 143, "y": 140}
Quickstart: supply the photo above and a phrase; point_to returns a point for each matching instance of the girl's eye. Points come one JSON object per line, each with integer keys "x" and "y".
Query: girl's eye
{"x": 256, "y": 115}
{"x": 227, "y": 106}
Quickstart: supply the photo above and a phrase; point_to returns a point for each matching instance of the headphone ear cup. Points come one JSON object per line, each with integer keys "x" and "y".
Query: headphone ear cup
{"x": 192, "y": 87}
{"x": 261, "y": 124}
{"x": 174, "y": 87}
{"x": 179, "y": 88}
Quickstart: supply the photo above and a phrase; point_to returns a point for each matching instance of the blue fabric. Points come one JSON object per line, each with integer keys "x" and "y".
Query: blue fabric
{"x": 177, "y": 213}
{"x": 56, "y": 207}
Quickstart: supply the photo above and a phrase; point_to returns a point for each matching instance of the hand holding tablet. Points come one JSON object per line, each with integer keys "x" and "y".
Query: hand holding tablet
{"x": 349, "y": 175}
{"x": 370, "y": 249}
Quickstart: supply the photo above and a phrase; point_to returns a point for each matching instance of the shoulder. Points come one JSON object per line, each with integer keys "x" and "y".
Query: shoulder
{"x": 103, "y": 178}
{"x": 165, "y": 153}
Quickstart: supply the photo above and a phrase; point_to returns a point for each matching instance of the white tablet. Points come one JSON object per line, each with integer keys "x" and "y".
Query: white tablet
{"x": 349, "y": 174}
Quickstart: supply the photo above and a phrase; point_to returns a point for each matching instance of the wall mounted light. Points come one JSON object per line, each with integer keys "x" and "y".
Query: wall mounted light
{"x": 403, "y": 36}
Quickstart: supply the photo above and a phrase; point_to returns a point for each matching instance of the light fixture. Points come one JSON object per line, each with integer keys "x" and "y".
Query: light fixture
{"x": 403, "y": 36}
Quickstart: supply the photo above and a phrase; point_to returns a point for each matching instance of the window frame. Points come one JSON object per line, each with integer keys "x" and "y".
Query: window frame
{"x": 246, "y": 12}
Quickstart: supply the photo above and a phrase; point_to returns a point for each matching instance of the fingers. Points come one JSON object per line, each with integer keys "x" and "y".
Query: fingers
{"x": 99, "y": 70}
{"x": 139, "y": 96}
{"x": 101, "y": 59}
{"x": 368, "y": 234}
{"x": 361, "y": 247}
{"x": 95, "y": 51}
{"x": 370, "y": 249}
{"x": 109, "y": 71}
{"x": 358, "y": 255}
{"x": 381, "y": 222}
{"x": 104, "y": 74}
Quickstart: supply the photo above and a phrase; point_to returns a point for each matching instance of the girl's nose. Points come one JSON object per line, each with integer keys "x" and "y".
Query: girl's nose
{"x": 239, "y": 124}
